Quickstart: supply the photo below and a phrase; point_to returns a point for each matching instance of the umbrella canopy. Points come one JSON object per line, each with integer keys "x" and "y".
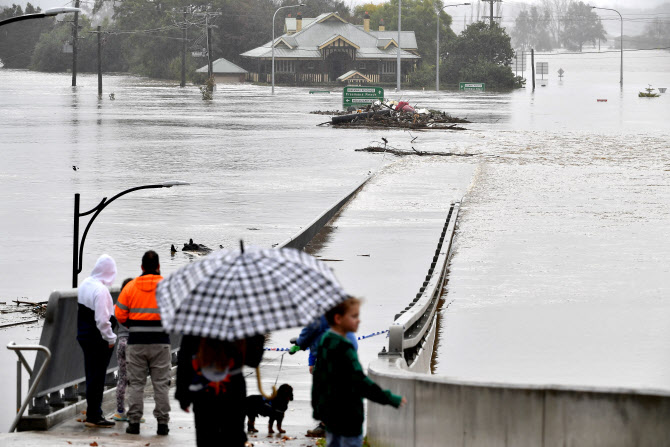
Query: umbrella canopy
{"x": 231, "y": 295}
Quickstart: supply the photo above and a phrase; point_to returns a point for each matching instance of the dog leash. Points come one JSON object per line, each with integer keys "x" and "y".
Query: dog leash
{"x": 281, "y": 362}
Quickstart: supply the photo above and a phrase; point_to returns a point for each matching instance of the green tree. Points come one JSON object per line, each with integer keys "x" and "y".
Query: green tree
{"x": 18, "y": 39}
{"x": 581, "y": 25}
{"x": 481, "y": 53}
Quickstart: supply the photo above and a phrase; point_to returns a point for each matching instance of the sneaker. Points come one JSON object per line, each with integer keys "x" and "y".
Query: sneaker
{"x": 121, "y": 417}
{"x": 133, "y": 428}
{"x": 318, "y": 432}
{"x": 163, "y": 430}
{"x": 100, "y": 423}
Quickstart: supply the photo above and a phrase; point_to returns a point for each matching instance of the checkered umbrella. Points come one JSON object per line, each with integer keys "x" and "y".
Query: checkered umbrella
{"x": 230, "y": 295}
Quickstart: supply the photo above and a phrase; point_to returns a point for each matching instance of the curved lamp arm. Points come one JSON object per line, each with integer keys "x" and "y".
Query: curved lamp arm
{"x": 79, "y": 251}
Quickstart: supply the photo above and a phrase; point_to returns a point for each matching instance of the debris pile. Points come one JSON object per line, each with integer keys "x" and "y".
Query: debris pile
{"x": 395, "y": 114}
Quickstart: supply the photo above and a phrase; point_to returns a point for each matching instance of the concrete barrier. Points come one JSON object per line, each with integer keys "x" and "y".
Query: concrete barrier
{"x": 446, "y": 412}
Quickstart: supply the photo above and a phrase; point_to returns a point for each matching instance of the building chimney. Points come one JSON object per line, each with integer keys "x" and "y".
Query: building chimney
{"x": 381, "y": 25}
{"x": 366, "y": 22}
{"x": 298, "y": 22}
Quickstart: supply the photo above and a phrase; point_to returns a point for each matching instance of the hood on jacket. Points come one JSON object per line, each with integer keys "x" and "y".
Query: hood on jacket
{"x": 104, "y": 270}
{"x": 148, "y": 283}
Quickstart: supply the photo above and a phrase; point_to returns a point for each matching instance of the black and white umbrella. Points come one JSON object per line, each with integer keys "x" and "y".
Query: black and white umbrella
{"x": 231, "y": 295}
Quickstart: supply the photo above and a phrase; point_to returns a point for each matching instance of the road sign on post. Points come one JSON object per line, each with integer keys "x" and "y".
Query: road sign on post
{"x": 472, "y": 86}
{"x": 356, "y": 96}
{"x": 543, "y": 68}
{"x": 560, "y": 72}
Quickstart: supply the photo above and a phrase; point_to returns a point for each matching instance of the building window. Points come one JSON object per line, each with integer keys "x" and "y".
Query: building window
{"x": 285, "y": 66}
{"x": 388, "y": 67}
{"x": 310, "y": 65}
{"x": 361, "y": 65}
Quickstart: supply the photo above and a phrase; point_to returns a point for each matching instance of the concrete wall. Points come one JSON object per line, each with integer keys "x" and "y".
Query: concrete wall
{"x": 443, "y": 412}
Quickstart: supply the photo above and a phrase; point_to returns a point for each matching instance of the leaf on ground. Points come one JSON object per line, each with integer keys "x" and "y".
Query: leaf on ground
{"x": 69, "y": 442}
{"x": 94, "y": 444}
{"x": 148, "y": 443}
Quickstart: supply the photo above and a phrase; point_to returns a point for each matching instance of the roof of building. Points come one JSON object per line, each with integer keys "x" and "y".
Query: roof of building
{"x": 223, "y": 66}
{"x": 353, "y": 74}
{"x": 328, "y": 27}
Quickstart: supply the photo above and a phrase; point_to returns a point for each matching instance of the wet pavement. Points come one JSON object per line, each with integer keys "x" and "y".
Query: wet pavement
{"x": 380, "y": 247}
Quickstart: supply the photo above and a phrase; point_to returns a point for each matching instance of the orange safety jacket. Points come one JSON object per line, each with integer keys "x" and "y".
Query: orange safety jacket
{"x": 137, "y": 309}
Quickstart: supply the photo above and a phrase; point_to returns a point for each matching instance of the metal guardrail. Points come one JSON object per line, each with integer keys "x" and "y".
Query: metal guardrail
{"x": 22, "y": 362}
{"x": 412, "y": 324}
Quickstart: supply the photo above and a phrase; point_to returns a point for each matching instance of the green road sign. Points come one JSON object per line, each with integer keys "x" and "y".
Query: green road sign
{"x": 360, "y": 96}
{"x": 472, "y": 86}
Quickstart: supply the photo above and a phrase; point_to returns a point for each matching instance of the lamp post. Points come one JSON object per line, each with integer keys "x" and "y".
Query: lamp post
{"x": 397, "y": 64}
{"x": 77, "y": 248}
{"x": 40, "y": 15}
{"x": 273, "y": 40}
{"x": 621, "y": 42}
{"x": 437, "y": 51}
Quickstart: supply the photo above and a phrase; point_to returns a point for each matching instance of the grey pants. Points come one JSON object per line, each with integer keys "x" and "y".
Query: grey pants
{"x": 156, "y": 359}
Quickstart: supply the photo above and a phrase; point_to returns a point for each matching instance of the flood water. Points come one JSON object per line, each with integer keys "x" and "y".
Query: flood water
{"x": 560, "y": 272}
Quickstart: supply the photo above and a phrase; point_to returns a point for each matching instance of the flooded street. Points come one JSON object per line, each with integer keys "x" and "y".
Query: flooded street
{"x": 560, "y": 272}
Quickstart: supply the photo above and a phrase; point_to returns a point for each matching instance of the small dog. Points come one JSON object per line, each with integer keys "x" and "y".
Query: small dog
{"x": 257, "y": 405}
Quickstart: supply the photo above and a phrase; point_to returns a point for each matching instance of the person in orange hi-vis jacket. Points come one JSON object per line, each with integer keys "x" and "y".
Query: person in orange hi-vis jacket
{"x": 148, "y": 345}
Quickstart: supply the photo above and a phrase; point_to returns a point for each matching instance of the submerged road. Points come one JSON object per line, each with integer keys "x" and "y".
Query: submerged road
{"x": 372, "y": 245}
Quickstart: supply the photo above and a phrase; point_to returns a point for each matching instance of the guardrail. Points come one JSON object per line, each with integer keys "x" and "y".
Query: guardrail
{"x": 410, "y": 331}
{"x": 21, "y": 362}
{"x": 444, "y": 412}
{"x": 63, "y": 381}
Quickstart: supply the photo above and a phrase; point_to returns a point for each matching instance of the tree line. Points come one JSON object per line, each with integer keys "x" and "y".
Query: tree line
{"x": 144, "y": 37}
{"x": 557, "y": 23}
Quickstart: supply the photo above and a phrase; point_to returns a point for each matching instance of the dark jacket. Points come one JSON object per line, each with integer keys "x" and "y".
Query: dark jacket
{"x": 339, "y": 386}
{"x": 188, "y": 376}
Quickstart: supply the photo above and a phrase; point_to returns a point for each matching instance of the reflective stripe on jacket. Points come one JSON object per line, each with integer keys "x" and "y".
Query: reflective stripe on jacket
{"x": 137, "y": 309}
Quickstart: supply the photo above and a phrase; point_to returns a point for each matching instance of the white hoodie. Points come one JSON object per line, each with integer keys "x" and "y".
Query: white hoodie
{"x": 93, "y": 293}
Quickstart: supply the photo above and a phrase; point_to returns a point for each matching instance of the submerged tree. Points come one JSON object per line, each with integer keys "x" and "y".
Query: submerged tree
{"x": 481, "y": 53}
{"x": 581, "y": 25}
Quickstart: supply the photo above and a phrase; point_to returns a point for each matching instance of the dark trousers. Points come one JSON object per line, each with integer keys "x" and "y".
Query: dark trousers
{"x": 219, "y": 420}
{"x": 96, "y": 359}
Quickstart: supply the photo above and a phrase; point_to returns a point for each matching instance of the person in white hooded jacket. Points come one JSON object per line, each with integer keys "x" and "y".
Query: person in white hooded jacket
{"x": 96, "y": 335}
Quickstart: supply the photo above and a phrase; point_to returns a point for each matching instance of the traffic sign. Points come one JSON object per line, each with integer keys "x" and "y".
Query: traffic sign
{"x": 560, "y": 72}
{"x": 359, "y": 96}
{"x": 472, "y": 86}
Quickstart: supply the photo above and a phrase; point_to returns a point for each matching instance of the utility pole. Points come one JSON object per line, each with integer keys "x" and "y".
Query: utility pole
{"x": 75, "y": 32}
{"x": 209, "y": 47}
{"x": 183, "y": 50}
{"x": 99, "y": 62}
{"x": 491, "y": 17}
{"x": 532, "y": 64}
{"x": 397, "y": 68}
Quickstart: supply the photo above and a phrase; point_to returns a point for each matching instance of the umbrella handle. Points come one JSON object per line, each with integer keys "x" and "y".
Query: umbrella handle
{"x": 260, "y": 388}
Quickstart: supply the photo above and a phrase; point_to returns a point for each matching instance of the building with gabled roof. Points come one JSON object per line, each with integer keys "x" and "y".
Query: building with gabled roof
{"x": 322, "y": 49}
{"x": 225, "y": 72}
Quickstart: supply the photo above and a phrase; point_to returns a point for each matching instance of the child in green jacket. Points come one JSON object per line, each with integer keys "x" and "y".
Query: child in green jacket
{"x": 339, "y": 383}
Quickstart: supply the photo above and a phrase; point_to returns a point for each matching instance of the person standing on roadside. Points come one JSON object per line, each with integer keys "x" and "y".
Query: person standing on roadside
{"x": 95, "y": 335}
{"x": 148, "y": 345}
{"x": 340, "y": 384}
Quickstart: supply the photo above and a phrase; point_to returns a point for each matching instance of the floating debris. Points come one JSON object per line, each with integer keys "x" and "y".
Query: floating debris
{"x": 403, "y": 153}
{"x": 399, "y": 115}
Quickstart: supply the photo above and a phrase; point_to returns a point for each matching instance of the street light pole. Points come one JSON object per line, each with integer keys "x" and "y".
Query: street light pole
{"x": 621, "y": 41}
{"x": 273, "y": 40}
{"x": 437, "y": 51}
{"x": 77, "y": 248}
{"x": 397, "y": 64}
{"x": 40, "y": 15}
